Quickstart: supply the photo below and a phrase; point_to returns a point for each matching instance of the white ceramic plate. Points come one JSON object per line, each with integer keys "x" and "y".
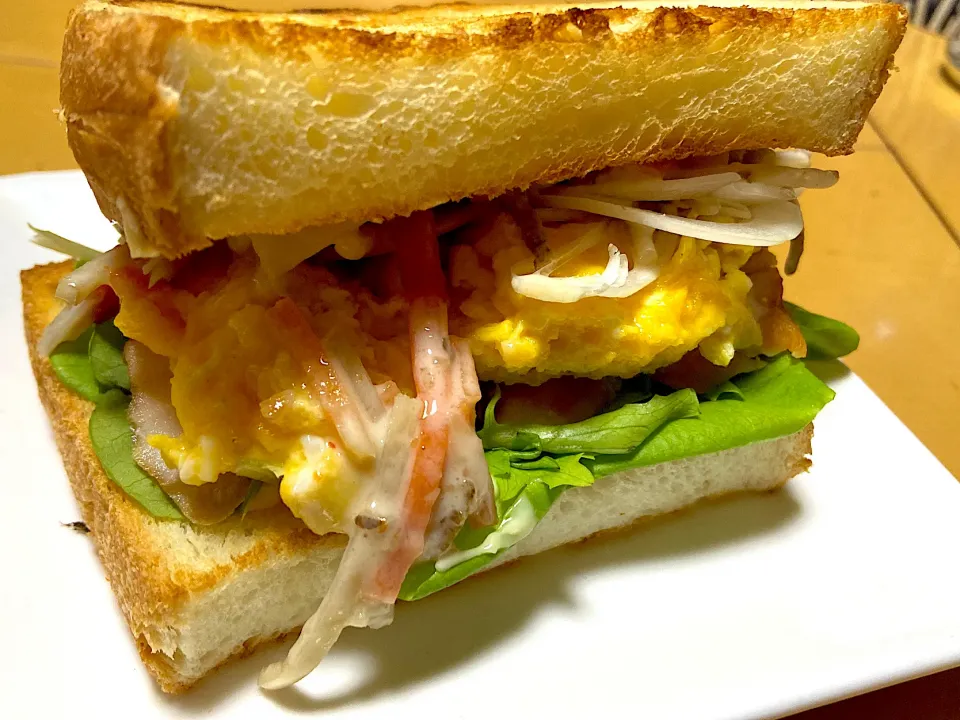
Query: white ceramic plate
{"x": 753, "y": 607}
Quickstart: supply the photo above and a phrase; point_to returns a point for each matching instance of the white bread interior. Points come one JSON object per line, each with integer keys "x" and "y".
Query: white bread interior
{"x": 269, "y": 601}
{"x": 196, "y": 123}
{"x": 195, "y": 597}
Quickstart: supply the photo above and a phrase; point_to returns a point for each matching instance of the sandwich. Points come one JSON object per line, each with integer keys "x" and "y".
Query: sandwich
{"x": 402, "y": 297}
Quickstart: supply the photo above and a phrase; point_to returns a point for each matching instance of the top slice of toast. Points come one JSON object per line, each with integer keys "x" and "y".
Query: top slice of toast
{"x": 195, "y": 123}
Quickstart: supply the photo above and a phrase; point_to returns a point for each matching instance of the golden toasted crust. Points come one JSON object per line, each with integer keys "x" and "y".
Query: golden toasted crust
{"x": 136, "y": 92}
{"x": 116, "y": 120}
{"x": 442, "y": 31}
{"x": 172, "y": 681}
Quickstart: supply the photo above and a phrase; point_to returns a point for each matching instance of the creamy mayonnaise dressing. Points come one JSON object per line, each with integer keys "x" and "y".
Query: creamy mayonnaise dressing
{"x": 518, "y": 522}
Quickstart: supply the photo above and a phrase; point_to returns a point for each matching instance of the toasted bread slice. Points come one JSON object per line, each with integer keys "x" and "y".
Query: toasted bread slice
{"x": 195, "y": 597}
{"x": 197, "y": 123}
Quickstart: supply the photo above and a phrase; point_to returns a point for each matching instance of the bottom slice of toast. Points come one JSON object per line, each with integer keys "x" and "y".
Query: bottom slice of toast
{"x": 196, "y": 597}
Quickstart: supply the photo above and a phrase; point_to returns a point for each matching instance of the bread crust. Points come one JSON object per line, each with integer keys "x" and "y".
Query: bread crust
{"x": 121, "y": 112}
{"x": 161, "y": 595}
{"x": 150, "y": 587}
{"x": 797, "y": 462}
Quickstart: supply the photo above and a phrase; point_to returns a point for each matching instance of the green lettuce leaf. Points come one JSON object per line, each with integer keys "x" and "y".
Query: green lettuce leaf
{"x": 512, "y": 473}
{"x": 93, "y": 363}
{"x": 827, "y": 339}
{"x": 424, "y": 579}
{"x": 71, "y": 363}
{"x": 106, "y": 356}
{"x": 777, "y": 400}
{"x": 112, "y": 440}
{"x": 94, "y": 368}
{"x": 610, "y": 433}
{"x": 724, "y": 389}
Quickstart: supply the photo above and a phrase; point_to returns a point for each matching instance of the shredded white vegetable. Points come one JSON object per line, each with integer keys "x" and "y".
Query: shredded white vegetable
{"x": 570, "y": 289}
{"x": 617, "y": 280}
{"x": 793, "y": 158}
{"x": 707, "y": 207}
{"x": 591, "y": 237}
{"x": 736, "y": 210}
{"x": 157, "y": 269}
{"x": 348, "y": 601}
{"x": 794, "y": 177}
{"x": 519, "y": 522}
{"x": 546, "y": 215}
{"x": 646, "y": 266}
{"x": 353, "y": 376}
{"x": 76, "y": 285}
{"x": 754, "y": 192}
{"x": 69, "y": 324}
{"x": 757, "y": 190}
{"x": 771, "y": 223}
{"x": 60, "y": 244}
{"x": 280, "y": 255}
{"x": 788, "y": 177}
{"x": 654, "y": 189}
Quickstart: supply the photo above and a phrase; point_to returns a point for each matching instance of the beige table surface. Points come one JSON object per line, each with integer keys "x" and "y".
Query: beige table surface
{"x": 883, "y": 253}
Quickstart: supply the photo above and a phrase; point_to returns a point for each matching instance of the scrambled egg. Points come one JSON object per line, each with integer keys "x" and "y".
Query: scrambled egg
{"x": 240, "y": 388}
{"x": 242, "y": 385}
{"x": 700, "y": 300}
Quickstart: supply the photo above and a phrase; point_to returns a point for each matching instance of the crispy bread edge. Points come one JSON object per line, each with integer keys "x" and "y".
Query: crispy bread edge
{"x": 797, "y": 463}
{"x": 151, "y": 589}
{"x": 118, "y": 115}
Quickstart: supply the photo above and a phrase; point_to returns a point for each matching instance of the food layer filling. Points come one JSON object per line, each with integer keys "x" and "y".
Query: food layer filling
{"x": 338, "y": 371}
